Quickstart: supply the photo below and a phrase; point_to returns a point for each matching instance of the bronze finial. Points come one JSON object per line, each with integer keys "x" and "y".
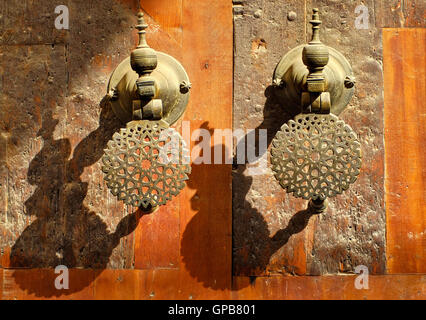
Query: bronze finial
{"x": 143, "y": 59}
{"x": 315, "y": 22}
{"x": 315, "y": 56}
{"x": 141, "y": 26}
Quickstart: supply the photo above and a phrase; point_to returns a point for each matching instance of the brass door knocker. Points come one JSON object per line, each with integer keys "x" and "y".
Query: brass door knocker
{"x": 316, "y": 155}
{"x": 147, "y": 163}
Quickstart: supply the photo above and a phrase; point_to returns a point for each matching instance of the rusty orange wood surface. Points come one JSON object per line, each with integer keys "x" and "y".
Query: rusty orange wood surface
{"x": 331, "y": 287}
{"x": 405, "y": 136}
{"x": 168, "y": 15}
{"x": 170, "y": 285}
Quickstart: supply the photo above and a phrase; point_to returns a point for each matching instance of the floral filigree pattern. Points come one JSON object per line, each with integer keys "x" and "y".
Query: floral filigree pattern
{"x": 316, "y": 156}
{"x": 146, "y": 164}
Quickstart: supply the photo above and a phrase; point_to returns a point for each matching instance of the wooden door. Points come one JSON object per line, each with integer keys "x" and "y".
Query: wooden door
{"x": 229, "y": 234}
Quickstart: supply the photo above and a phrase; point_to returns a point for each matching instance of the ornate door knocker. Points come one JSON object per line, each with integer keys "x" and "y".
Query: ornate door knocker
{"x": 316, "y": 155}
{"x": 147, "y": 163}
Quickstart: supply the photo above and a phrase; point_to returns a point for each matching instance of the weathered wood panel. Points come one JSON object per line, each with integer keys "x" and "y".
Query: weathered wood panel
{"x": 54, "y": 128}
{"x": 260, "y": 207}
{"x": 400, "y": 13}
{"x": 405, "y": 135}
{"x": 168, "y": 15}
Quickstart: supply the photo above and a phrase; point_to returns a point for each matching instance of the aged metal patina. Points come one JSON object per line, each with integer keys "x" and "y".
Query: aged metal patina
{"x": 149, "y": 75}
{"x": 316, "y": 156}
{"x": 138, "y": 167}
{"x": 147, "y": 162}
{"x": 315, "y": 68}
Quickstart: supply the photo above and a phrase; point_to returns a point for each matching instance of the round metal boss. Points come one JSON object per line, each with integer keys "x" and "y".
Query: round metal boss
{"x": 146, "y": 164}
{"x": 316, "y": 156}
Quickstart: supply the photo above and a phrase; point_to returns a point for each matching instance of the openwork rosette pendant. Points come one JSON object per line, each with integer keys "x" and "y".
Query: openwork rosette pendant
{"x": 316, "y": 155}
{"x": 147, "y": 162}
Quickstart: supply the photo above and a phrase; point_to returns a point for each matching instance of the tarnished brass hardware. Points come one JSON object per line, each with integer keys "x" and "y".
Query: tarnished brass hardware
{"x": 185, "y": 86}
{"x": 316, "y": 155}
{"x": 148, "y": 74}
{"x": 139, "y": 168}
{"x": 147, "y": 162}
{"x": 318, "y": 206}
{"x": 293, "y": 72}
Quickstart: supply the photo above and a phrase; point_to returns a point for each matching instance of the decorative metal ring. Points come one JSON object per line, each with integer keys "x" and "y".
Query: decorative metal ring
{"x": 146, "y": 163}
{"x": 316, "y": 156}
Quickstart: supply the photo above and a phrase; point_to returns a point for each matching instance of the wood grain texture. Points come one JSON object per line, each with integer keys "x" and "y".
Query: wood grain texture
{"x": 168, "y": 16}
{"x": 405, "y": 135}
{"x": 172, "y": 285}
{"x": 333, "y": 287}
{"x": 205, "y": 206}
{"x": 400, "y": 13}
{"x": 40, "y": 284}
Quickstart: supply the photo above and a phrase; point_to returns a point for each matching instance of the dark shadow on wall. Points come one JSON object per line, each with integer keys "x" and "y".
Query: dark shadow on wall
{"x": 65, "y": 232}
{"x": 253, "y": 245}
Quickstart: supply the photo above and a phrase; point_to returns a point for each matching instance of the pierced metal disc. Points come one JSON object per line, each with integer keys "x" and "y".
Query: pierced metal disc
{"x": 316, "y": 156}
{"x": 146, "y": 163}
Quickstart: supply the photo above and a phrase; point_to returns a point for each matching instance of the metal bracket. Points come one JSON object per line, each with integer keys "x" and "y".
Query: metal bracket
{"x": 148, "y": 74}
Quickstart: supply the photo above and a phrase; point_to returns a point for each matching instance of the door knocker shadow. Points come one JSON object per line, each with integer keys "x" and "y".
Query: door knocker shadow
{"x": 65, "y": 232}
{"x": 254, "y": 245}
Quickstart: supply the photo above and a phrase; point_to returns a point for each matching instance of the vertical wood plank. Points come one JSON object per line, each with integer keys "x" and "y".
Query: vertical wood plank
{"x": 1, "y": 284}
{"x": 206, "y": 215}
{"x": 264, "y": 234}
{"x": 405, "y": 135}
{"x": 167, "y": 14}
{"x": 157, "y": 238}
